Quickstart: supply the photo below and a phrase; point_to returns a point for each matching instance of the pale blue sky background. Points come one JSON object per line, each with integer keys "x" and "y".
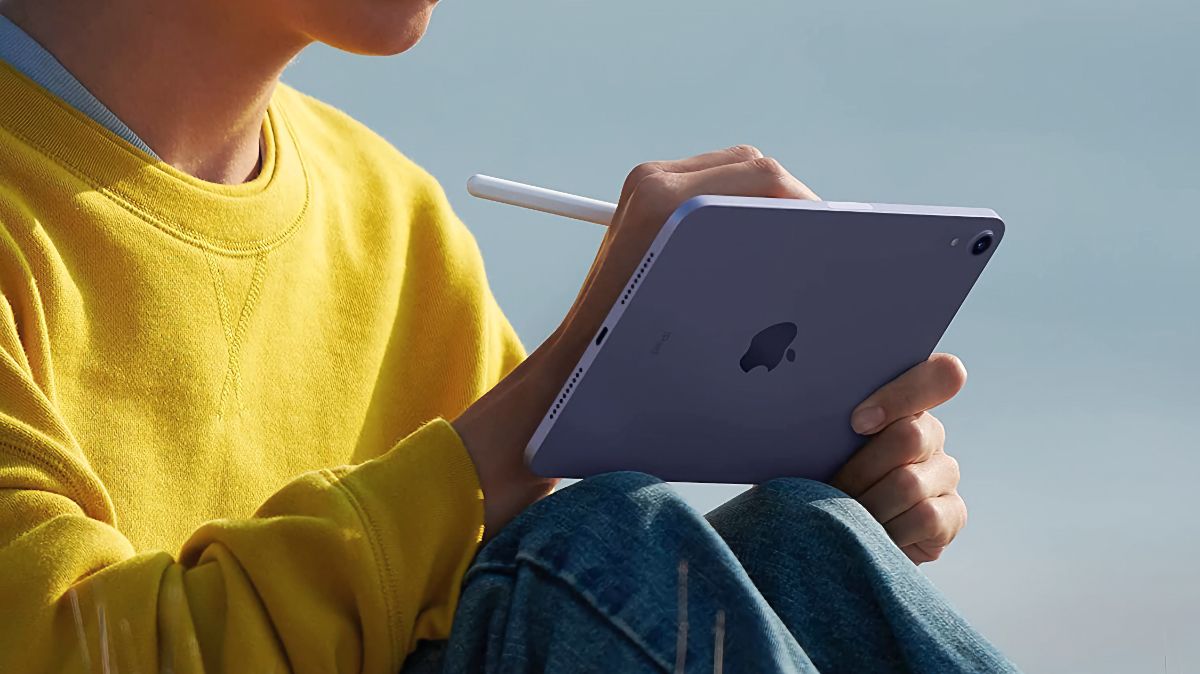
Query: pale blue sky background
{"x": 1075, "y": 119}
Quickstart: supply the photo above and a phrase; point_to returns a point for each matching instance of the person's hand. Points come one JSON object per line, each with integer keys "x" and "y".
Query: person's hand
{"x": 651, "y": 192}
{"x": 497, "y": 427}
{"x": 903, "y": 475}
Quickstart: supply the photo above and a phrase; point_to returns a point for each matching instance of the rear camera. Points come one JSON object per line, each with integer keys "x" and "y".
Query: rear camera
{"x": 982, "y": 243}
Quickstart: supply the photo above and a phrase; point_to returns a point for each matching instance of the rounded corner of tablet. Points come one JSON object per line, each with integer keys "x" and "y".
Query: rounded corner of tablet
{"x": 533, "y": 447}
{"x": 695, "y": 204}
{"x": 995, "y": 225}
{"x": 999, "y": 226}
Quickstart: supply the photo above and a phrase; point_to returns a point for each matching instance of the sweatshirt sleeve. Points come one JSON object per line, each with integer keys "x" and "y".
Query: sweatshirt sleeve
{"x": 341, "y": 570}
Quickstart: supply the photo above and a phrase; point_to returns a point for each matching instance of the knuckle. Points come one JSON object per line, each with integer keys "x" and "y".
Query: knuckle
{"x": 910, "y": 436}
{"x": 653, "y": 199}
{"x": 640, "y": 173}
{"x": 929, "y": 436}
{"x": 942, "y": 537}
{"x": 910, "y": 483}
{"x": 769, "y": 166}
{"x": 746, "y": 152}
{"x": 940, "y": 525}
{"x": 929, "y": 519}
{"x": 656, "y": 185}
{"x": 953, "y": 467}
{"x": 944, "y": 533}
{"x": 957, "y": 504}
{"x": 935, "y": 427}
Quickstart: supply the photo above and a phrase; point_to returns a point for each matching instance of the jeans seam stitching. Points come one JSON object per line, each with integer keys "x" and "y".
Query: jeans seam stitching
{"x": 569, "y": 581}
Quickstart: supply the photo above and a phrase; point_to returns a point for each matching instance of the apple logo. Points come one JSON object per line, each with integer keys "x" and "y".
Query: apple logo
{"x": 767, "y": 348}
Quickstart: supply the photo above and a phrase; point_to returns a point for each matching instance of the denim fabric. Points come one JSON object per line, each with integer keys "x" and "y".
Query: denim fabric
{"x": 618, "y": 574}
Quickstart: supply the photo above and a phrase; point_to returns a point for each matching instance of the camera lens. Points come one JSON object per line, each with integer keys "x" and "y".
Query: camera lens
{"x": 982, "y": 243}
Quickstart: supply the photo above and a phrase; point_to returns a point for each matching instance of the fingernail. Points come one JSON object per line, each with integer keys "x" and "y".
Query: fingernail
{"x": 866, "y": 419}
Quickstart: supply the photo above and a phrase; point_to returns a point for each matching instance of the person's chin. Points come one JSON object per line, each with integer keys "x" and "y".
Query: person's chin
{"x": 384, "y": 37}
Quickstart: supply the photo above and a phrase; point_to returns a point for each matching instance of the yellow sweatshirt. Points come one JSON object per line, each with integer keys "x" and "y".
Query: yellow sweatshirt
{"x": 223, "y": 444}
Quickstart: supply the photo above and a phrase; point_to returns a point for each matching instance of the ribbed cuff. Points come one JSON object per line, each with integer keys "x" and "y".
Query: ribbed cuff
{"x": 423, "y": 510}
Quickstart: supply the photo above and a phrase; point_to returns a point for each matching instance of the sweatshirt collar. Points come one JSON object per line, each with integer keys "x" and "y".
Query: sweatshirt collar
{"x": 243, "y": 219}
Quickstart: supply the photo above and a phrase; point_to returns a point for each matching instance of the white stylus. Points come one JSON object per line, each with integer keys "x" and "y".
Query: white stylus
{"x": 541, "y": 199}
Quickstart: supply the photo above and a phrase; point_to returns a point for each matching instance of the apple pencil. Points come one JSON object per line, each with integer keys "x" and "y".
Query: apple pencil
{"x": 541, "y": 199}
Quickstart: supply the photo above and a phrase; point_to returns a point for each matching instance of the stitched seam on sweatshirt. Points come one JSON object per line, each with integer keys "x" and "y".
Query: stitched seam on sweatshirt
{"x": 218, "y": 281}
{"x": 235, "y": 334}
{"x": 233, "y": 374}
{"x": 215, "y": 244}
{"x": 30, "y": 441}
{"x": 384, "y": 567}
{"x": 55, "y": 466}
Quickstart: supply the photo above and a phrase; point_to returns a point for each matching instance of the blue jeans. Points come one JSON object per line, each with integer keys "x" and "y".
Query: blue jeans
{"x": 618, "y": 574}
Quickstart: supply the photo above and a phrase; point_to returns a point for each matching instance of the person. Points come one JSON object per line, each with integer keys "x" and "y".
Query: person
{"x": 259, "y": 408}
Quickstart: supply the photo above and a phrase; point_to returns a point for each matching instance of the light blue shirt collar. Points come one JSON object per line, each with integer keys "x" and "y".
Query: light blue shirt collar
{"x": 31, "y": 59}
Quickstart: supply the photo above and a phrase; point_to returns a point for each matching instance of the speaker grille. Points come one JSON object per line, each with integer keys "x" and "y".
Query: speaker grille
{"x": 565, "y": 394}
{"x": 637, "y": 278}
{"x": 569, "y": 386}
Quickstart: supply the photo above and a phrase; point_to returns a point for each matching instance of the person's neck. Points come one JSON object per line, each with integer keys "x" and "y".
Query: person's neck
{"x": 191, "y": 79}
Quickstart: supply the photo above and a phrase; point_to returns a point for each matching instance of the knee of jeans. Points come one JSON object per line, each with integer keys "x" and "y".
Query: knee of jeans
{"x": 622, "y": 500}
{"x": 820, "y": 505}
{"x": 793, "y": 505}
{"x": 794, "y": 489}
{"x": 626, "y": 505}
{"x": 624, "y": 481}
{"x": 623, "y": 494}
{"x": 807, "y": 499}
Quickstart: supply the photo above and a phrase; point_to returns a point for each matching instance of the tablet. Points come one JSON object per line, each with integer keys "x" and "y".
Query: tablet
{"x": 752, "y": 329}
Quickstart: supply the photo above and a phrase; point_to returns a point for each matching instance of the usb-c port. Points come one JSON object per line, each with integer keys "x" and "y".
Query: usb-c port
{"x": 600, "y": 336}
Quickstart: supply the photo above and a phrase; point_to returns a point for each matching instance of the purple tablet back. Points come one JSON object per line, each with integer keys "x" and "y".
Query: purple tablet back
{"x": 750, "y": 332}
